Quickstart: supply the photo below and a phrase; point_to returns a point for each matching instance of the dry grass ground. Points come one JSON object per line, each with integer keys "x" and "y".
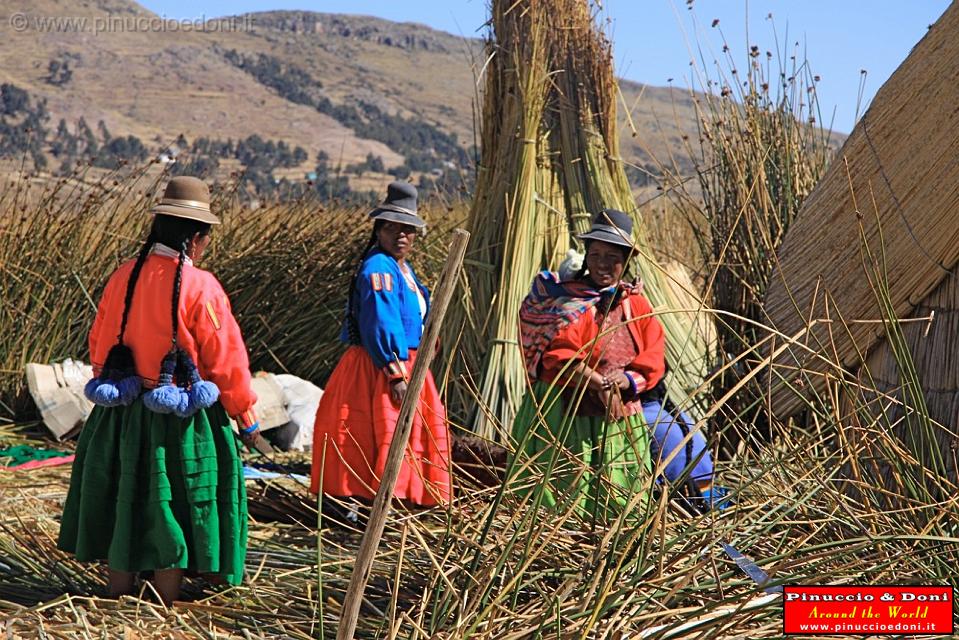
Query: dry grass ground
{"x": 494, "y": 569}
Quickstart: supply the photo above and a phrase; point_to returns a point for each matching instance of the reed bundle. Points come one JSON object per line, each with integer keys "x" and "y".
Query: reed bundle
{"x": 549, "y": 162}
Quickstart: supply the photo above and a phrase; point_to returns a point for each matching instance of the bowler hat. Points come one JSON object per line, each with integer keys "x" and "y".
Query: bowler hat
{"x": 186, "y": 197}
{"x": 399, "y": 206}
{"x": 612, "y": 226}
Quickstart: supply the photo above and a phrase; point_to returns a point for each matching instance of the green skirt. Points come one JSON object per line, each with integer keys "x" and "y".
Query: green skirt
{"x": 154, "y": 492}
{"x": 585, "y": 464}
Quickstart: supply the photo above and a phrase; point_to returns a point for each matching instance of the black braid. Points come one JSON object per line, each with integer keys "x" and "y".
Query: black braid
{"x": 176, "y": 233}
{"x": 132, "y": 283}
{"x": 176, "y": 291}
{"x": 353, "y": 323}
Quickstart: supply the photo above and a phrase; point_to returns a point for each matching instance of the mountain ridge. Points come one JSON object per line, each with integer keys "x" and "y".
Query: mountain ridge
{"x": 156, "y": 85}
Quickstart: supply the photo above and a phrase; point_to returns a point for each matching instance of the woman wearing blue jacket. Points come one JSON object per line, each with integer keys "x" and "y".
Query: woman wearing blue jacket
{"x": 383, "y": 325}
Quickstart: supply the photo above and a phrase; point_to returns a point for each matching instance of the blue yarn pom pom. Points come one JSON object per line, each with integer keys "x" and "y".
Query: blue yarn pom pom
{"x": 90, "y": 388}
{"x": 106, "y": 394}
{"x": 164, "y": 399}
{"x": 203, "y": 395}
{"x": 184, "y": 408}
{"x": 129, "y": 389}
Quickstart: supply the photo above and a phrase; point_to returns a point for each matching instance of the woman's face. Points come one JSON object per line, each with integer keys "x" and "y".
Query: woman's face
{"x": 605, "y": 262}
{"x": 396, "y": 239}
{"x": 197, "y": 245}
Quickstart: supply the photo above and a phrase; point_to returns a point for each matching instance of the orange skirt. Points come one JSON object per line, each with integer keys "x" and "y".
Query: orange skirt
{"x": 354, "y": 426}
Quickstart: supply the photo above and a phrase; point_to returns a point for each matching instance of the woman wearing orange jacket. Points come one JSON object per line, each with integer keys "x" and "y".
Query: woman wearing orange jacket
{"x": 595, "y": 355}
{"x": 157, "y": 483}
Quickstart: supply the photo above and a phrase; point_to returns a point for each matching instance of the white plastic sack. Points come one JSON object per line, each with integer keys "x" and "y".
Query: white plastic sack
{"x": 57, "y": 390}
{"x": 302, "y": 399}
{"x": 76, "y": 373}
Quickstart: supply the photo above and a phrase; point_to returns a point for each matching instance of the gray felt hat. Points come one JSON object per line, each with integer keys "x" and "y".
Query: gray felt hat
{"x": 612, "y": 226}
{"x": 399, "y": 206}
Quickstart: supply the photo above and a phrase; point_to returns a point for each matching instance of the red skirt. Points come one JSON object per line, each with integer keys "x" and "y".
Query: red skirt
{"x": 354, "y": 427}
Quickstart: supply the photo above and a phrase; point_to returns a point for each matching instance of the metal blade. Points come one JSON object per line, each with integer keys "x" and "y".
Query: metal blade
{"x": 747, "y": 566}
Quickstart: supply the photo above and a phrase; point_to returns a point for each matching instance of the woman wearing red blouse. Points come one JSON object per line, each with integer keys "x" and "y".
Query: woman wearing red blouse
{"x": 595, "y": 354}
{"x": 157, "y": 484}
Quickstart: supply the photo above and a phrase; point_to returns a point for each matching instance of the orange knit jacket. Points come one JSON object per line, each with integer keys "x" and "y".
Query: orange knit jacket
{"x": 573, "y": 342}
{"x": 207, "y": 329}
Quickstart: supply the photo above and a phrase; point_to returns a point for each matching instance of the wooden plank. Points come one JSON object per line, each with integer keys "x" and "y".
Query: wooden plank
{"x": 394, "y": 459}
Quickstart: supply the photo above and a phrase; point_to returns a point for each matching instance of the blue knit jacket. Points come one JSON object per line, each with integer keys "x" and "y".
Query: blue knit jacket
{"x": 387, "y": 309}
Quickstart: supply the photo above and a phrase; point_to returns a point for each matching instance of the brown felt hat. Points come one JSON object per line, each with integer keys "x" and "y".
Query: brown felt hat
{"x": 186, "y": 197}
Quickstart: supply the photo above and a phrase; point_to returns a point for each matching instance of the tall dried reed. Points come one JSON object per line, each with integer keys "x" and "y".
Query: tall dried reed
{"x": 762, "y": 150}
{"x": 550, "y": 162}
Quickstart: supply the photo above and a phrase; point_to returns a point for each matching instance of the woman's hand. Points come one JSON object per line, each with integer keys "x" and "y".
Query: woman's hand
{"x": 249, "y": 439}
{"x": 614, "y": 404}
{"x": 253, "y": 439}
{"x": 398, "y": 391}
{"x": 597, "y": 382}
{"x": 619, "y": 380}
{"x": 583, "y": 374}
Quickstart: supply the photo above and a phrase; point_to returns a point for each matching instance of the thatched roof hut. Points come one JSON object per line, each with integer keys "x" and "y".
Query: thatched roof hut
{"x": 879, "y": 236}
{"x": 879, "y": 400}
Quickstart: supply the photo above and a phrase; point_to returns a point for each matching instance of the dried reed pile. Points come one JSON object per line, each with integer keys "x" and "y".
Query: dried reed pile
{"x": 549, "y": 162}
{"x": 906, "y": 390}
{"x": 866, "y": 282}
{"x": 932, "y": 339}
{"x": 497, "y": 571}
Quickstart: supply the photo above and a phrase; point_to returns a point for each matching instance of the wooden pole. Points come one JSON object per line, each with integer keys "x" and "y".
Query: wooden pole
{"x": 394, "y": 459}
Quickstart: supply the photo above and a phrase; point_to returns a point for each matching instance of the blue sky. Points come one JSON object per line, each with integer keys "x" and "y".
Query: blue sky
{"x": 651, "y": 37}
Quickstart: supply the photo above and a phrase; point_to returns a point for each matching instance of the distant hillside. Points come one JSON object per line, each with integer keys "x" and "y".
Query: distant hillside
{"x": 343, "y": 99}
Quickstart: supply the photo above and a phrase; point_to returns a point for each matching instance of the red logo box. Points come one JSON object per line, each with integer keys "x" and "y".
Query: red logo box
{"x": 872, "y": 610}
